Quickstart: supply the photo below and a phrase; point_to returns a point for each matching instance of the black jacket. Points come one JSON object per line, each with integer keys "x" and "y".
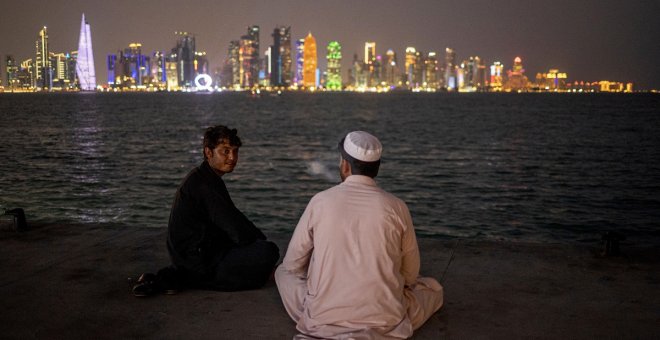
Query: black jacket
{"x": 204, "y": 223}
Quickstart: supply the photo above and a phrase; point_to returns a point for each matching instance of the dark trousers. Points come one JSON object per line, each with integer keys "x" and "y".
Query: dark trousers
{"x": 240, "y": 268}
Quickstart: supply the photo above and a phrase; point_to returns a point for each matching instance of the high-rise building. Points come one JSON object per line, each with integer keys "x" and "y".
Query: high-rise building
{"x": 473, "y": 73}
{"x": 496, "y": 74}
{"x": 234, "y": 63}
{"x": 370, "y": 62}
{"x": 59, "y": 65}
{"x": 431, "y": 71}
{"x": 159, "y": 69}
{"x": 310, "y": 62}
{"x": 450, "y": 69}
{"x": 42, "y": 71}
{"x": 201, "y": 63}
{"x": 390, "y": 69}
{"x": 184, "y": 53}
{"x": 26, "y": 74}
{"x": 249, "y": 57}
{"x": 12, "y": 72}
{"x": 280, "y": 74}
{"x": 300, "y": 60}
{"x": 516, "y": 79}
{"x": 112, "y": 67}
{"x": 130, "y": 67}
{"x": 411, "y": 59}
{"x": 333, "y": 81}
{"x": 85, "y": 71}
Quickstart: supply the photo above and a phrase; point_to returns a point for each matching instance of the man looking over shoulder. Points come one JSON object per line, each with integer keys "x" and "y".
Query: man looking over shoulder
{"x": 212, "y": 245}
{"x": 351, "y": 268}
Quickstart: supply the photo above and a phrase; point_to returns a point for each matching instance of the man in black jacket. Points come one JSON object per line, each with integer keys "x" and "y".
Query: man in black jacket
{"x": 212, "y": 245}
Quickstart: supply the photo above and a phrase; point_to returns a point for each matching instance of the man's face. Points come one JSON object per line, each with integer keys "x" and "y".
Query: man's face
{"x": 223, "y": 158}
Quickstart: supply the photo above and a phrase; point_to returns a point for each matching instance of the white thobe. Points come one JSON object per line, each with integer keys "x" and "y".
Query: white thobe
{"x": 351, "y": 268}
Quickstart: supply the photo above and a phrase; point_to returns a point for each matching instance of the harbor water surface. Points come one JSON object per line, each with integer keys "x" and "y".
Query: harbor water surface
{"x": 521, "y": 167}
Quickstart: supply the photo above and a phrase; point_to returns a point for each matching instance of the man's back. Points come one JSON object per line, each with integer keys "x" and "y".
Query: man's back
{"x": 351, "y": 268}
{"x": 361, "y": 237}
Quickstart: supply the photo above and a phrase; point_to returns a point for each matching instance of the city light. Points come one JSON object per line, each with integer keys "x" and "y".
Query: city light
{"x": 286, "y": 65}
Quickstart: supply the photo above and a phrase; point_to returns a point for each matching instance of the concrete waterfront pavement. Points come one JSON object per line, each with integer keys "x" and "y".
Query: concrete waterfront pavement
{"x": 70, "y": 281}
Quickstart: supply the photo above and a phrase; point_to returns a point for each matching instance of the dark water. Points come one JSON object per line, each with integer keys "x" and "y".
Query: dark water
{"x": 537, "y": 167}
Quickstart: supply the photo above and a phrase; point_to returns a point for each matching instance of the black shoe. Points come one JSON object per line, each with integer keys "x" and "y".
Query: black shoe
{"x": 146, "y": 285}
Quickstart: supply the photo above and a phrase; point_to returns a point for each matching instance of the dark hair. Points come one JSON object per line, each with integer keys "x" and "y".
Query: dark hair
{"x": 359, "y": 167}
{"x": 214, "y": 135}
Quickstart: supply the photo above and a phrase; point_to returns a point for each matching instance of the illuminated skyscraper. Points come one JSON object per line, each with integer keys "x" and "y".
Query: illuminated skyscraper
{"x": 281, "y": 57}
{"x": 201, "y": 63}
{"x": 334, "y": 66}
{"x": 85, "y": 61}
{"x": 431, "y": 71}
{"x": 159, "y": 69}
{"x": 42, "y": 70}
{"x": 184, "y": 52}
{"x": 310, "y": 61}
{"x": 300, "y": 60}
{"x": 390, "y": 69}
{"x": 450, "y": 69}
{"x": 12, "y": 72}
{"x": 249, "y": 57}
{"x": 410, "y": 65}
{"x": 496, "y": 73}
{"x": 234, "y": 64}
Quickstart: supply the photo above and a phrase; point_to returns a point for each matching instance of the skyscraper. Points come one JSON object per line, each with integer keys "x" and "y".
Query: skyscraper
{"x": 431, "y": 72}
{"x": 310, "y": 61}
{"x": 281, "y": 57}
{"x": 184, "y": 52}
{"x": 410, "y": 66}
{"x": 390, "y": 68}
{"x": 370, "y": 63}
{"x": 496, "y": 76}
{"x": 12, "y": 72}
{"x": 249, "y": 57}
{"x": 85, "y": 61}
{"x": 334, "y": 66}
{"x": 300, "y": 60}
{"x": 42, "y": 65}
{"x": 450, "y": 69}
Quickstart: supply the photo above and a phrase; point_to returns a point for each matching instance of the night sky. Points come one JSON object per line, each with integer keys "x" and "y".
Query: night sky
{"x": 589, "y": 39}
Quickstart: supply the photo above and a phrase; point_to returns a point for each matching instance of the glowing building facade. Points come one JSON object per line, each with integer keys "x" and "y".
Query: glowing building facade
{"x": 309, "y": 62}
{"x": 12, "y": 72}
{"x": 300, "y": 60}
{"x": 516, "y": 79}
{"x": 410, "y": 65}
{"x": 333, "y": 78}
{"x": 280, "y": 57}
{"x": 553, "y": 80}
{"x": 85, "y": 60}
{"x": 496, "y": 76}
{"x": 184, "y": 54}
{"x": 390, "y": 69}
{"x": 431, "y": 71}
{"x": 42, "y": 68}
{"x": 249, "y": 58}
{"x": 450, "y": 69}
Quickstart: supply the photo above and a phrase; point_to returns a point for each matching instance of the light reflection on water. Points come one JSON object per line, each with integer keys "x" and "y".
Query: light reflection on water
{"x": 522, "y": 167}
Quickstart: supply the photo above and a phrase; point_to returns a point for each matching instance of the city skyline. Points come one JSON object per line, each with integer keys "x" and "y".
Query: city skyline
{"x": 611, "y": 41}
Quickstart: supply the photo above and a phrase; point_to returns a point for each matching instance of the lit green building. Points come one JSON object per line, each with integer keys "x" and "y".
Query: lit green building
{"x": 333, "y": 78}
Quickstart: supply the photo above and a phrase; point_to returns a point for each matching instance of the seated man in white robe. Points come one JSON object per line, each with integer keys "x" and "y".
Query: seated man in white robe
{"x": 352, "y": 267}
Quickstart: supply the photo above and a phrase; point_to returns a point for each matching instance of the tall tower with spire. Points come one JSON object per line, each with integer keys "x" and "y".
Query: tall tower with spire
{"x": 310, "y": 61}
{"x": 85, "y": 62}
